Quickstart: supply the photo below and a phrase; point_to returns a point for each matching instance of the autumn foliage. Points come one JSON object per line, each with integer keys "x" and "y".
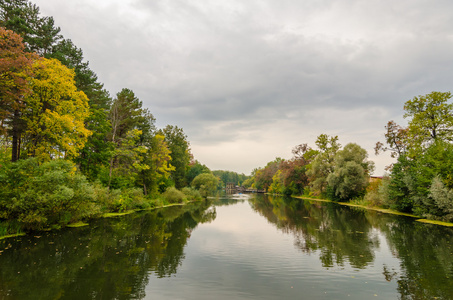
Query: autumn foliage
{"x": 68, "y": 151}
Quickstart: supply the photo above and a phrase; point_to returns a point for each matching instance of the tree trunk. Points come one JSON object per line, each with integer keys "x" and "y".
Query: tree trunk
{"x": 110, "y": 173}
{"x": 16, "y": 137}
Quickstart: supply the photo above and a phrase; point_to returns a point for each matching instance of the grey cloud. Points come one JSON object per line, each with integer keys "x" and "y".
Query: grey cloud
{"x": 268, "y": 72}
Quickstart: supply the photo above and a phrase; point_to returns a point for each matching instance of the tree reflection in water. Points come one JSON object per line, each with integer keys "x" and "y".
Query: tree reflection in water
{"x": 340, "y": 234}
{"x": 110, "y": 260}
{"x": 115, "y": 258}
{"x": 350, "y": 235}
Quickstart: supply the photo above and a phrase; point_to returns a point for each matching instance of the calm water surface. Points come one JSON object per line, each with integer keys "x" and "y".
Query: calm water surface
{"x": 235, "y": 247}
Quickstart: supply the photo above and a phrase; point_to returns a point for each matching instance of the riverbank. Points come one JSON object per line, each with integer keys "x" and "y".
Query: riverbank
{"x": 382, "y": 210}
{"x": 105, "y": 215}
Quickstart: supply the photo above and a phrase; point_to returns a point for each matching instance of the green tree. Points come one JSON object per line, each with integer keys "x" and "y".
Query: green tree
{"x": 132, "y": 126}
{"x": 396, "y": 139}
{"x": 45, "y": 36}
{"x": 264, "y": 177}
{"x": 42, "y": 36}
{"x": 323, "y": 163}
{"x": 352, "y": 172}
{"x": 180, "y": 153}
{"x": 277, "y": 186}
{"x": 401, "y": 185}
{"x": 430, "y": 119}
{"x": 230, "y": 176}
{"x": 206, "y": 183}
{"x": 20, "y": 16}
{"x": 294, "y": 171}
{"x": 158, "y": 159}
{"x": 39, "y": 33}
{"x": 39, "y": 195}
{"x": 96, "y": 153}
{"x": 195, "y": 169}
{"x": 426, "y": 157}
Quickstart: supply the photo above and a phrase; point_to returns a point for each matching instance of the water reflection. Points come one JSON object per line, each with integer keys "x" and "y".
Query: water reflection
{"x": 337, "y": 232}
{"x": 426, "y": 255}
{"x": 349, "y": 235}
{"x": 110, "y": 260}
{"x": 317, "y": 247}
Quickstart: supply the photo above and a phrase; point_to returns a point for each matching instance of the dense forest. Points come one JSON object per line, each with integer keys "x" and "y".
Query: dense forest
{"x": 68, "y": 150}
{"x": 419, "y": 182}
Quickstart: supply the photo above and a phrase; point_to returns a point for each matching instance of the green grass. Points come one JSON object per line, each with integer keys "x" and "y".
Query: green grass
{"x": 78, "y": 224}
{"x": 363, "y": 204}
{"x": 117, "y": 214}
{"x": 11, "y": 235}
{"x": 435, "y": 222}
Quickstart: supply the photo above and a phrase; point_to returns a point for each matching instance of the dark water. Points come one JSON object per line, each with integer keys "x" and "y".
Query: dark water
{"x": 235, "y": 247}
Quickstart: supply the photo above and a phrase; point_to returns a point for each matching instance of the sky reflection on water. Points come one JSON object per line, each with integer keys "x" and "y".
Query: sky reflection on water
{"x": 242, "y": 247}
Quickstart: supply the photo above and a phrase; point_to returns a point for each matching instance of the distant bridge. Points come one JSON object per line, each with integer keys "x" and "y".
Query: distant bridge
{"x": 232, "y": 188}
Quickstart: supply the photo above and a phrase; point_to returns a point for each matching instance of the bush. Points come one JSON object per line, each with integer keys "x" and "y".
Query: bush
{"x": 191, "y": 193}
{"x": 116, "y": 200}
{"x": 206, "y": 183}
{"x": 442, "y": 199}
{"x": 135, "y": 198}
{"x": 377, "y": 193}
{"x": 173, "y": 195}
{"x": 51, "y": 194}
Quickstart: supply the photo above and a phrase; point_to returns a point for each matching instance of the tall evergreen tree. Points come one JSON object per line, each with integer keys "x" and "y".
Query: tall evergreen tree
{"x": 127, "y": 114}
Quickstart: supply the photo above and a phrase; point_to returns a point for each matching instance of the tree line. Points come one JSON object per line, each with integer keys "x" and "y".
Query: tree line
{"x": 419, "y": 182}
{"x": 70, "y": 151}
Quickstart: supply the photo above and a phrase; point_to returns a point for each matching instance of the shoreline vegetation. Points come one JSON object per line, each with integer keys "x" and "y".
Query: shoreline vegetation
{"x": 419, "y": 183}
{"x": 70, "y": 152}
{"x": 379, "y": 209}
{"x": 105, "y": 215}
{"x": 305, "y": 198}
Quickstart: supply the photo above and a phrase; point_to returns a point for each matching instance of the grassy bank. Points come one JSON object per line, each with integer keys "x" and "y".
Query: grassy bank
{"x": 380, "y": 209}
{"x": 105, "y": 215}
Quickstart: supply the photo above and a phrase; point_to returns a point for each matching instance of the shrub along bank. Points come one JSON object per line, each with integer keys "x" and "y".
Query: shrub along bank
{"x": 54, "y": 194}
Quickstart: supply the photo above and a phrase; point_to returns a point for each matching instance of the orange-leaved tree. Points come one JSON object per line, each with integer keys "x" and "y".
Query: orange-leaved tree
{"x": 15, "y": 72}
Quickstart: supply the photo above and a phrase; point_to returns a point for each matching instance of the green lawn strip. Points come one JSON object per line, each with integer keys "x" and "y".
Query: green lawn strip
{"x": 117, "y": 214}
{"x": 383, "y": 210}
{"x": 78, "y": 224}
{"x": 112, "y": 215}
{"x": 11, "y": 235}
{"x": 435, "y": 222}
{"x": 164, "y": 206}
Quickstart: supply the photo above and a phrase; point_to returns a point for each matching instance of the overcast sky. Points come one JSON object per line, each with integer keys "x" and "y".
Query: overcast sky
{"x": 249, "y": 80}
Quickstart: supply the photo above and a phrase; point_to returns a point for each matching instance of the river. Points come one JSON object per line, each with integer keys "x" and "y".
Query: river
{"x": 234, "y": 247}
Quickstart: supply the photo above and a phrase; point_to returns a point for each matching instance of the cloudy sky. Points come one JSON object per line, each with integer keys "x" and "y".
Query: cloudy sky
{"x": 249, "y": 80}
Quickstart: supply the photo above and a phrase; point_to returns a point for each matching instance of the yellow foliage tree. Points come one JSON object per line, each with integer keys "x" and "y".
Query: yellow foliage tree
{"x": 55, "y": 113}
{"x": 158, "y": 159}
{"x": 161, "y": 157}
